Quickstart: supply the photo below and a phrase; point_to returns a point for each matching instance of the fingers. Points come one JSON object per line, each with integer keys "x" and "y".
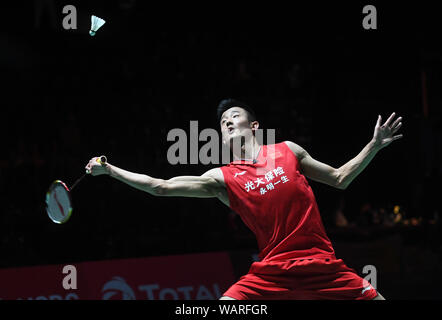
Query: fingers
{"x": 387, "y": 123}
{"x": 92, "y": 163}
{"x": 88, "y": 168}
{"x": 395, "y": 123}
{"x": 89, "y": 164}
{"x": 378, "y": 123}
{"x": 399, "y": 136}
{"x": 398, "y": 126}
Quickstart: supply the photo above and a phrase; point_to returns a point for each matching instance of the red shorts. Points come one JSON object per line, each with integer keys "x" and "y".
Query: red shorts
{"x": 304, "y": 279}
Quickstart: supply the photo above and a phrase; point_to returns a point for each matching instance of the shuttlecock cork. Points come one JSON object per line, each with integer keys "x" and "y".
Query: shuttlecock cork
{"x": 96, "y": 23}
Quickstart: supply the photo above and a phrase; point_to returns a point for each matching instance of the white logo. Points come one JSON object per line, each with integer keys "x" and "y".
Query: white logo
{"x": 117, "y": 288}
{"x": 366, "y": 289}
{"x": 240, "y": 173}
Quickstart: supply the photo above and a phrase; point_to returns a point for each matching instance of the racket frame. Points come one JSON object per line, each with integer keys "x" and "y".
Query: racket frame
{"x": 48, "y": 195}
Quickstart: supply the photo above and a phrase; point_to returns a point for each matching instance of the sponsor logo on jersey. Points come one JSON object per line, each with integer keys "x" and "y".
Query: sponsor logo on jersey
{"x": 240, "y": 173}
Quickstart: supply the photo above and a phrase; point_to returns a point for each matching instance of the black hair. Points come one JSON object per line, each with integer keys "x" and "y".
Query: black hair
{"x": 226, "y": 104}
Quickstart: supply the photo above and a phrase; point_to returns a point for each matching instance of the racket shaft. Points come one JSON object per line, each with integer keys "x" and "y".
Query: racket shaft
{"x": 77, "y": 182}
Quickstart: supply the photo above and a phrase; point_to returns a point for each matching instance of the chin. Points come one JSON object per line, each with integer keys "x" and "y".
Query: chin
{"x": 236, "y": 138}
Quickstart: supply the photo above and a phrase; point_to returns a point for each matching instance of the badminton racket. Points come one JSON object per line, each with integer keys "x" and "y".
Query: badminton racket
{"x": 58, "y": 198}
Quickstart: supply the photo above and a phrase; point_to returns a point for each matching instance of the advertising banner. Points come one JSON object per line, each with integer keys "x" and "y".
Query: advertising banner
{"x": 182, "y": 277}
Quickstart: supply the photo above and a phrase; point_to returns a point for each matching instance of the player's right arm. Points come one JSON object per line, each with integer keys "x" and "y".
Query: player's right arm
{"x": 208, "y": 185}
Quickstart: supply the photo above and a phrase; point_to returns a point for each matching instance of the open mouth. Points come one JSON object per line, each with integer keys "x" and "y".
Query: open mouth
{"x": 231, "y": 129}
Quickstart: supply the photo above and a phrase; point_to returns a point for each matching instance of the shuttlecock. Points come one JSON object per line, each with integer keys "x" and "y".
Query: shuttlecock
{"x": 96, "y": 23}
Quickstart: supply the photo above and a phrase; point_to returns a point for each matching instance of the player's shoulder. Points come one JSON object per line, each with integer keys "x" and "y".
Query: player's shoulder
{"x": 296, "y": 149}
{"x": 293, "y": 146}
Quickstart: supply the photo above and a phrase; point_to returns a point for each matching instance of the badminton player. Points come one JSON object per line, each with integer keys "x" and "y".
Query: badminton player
{"x": 297, "y": 259}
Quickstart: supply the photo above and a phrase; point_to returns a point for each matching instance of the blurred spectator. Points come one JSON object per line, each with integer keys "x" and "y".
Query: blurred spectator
{"x": 339, "y": 218}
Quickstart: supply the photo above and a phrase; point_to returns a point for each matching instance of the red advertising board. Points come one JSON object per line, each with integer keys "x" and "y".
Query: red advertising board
{"x": 182, "y": 277}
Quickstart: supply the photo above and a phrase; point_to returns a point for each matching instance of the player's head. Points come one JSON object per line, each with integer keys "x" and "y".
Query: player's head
{"x": 236, "y": 119}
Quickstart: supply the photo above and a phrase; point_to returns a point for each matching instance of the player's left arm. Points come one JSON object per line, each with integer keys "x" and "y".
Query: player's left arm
{"x": 341, "y": 177}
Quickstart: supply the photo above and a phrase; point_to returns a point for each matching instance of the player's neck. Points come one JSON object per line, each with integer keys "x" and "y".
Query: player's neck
{"x": 249, "y": 150}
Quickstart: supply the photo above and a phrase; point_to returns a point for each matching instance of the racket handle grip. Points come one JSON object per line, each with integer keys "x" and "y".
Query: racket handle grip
{"x": 100, "y": 160}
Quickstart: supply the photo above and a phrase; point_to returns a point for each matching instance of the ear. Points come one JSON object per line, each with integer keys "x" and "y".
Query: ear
{"x": 254, "y": 125}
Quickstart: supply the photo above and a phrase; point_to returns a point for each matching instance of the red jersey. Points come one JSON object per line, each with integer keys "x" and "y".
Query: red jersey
{"x": 276, "y": 202}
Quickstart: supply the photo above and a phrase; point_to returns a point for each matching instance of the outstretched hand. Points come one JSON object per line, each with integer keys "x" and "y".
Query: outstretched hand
{"x": 384, "y": 134}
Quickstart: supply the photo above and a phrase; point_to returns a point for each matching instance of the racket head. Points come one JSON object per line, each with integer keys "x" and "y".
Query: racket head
{"x": 58, "y": 202}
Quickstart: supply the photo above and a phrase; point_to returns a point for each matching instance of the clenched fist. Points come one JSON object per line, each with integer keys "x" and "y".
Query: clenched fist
{"x": 97, "y": 166}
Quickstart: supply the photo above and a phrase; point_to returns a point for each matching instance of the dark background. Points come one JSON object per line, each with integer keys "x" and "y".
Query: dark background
{"x": 312, "y": 73}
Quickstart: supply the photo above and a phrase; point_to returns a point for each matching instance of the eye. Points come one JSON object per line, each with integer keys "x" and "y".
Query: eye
{"x": 235, "y": 116}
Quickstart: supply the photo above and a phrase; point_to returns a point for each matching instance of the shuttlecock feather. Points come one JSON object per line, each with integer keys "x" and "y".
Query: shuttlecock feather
{"x": 96, "y": 23}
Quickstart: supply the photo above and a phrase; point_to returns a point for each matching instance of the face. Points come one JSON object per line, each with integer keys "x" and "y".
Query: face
{"x": 235, "y": 124}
